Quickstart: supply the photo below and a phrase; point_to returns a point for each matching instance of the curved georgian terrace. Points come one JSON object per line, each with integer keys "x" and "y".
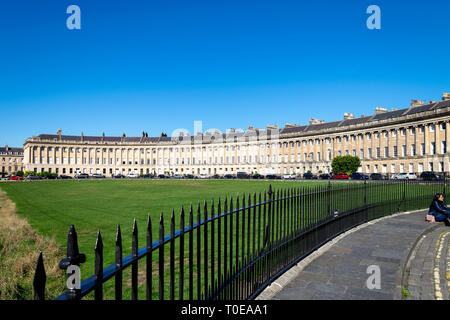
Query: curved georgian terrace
{"x": 412, "y": 139}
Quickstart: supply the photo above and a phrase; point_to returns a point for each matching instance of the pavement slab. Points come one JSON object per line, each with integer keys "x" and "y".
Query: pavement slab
{"x": 394, "y": 244}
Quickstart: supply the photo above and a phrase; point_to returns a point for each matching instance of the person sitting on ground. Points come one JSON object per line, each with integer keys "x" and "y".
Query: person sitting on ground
{"x": 439, "y": 210}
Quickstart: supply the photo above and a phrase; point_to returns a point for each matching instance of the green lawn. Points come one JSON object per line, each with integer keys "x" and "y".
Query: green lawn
{"x": 91, "y": 205}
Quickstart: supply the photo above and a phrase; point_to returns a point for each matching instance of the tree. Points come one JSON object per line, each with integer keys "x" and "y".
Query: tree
{"x": 28, "y": 173}
{"x": 345, "y": 164}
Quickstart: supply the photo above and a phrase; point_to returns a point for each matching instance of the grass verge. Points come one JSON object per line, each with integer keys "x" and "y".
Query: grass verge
{"x": 19, "y": 250}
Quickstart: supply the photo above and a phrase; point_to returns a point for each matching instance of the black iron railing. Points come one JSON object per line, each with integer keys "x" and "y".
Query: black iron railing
{"x": 239, "y": 246}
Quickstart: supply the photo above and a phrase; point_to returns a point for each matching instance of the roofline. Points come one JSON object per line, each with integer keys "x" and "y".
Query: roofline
{"x": 303, "y": 131}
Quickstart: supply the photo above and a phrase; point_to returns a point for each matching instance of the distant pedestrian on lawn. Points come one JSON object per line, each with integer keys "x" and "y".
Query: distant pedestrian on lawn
{"x": 439, "y": 210}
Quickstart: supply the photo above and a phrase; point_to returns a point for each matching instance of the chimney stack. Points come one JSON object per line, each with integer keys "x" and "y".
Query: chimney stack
{"x": 6, "y": 147}
{"x": 417, "y": 103}
{"x": 349, "y": 116}
{"x": 380, "y": 110}
{"x": 315, "y": 121}
{"x": 446, "y": 96}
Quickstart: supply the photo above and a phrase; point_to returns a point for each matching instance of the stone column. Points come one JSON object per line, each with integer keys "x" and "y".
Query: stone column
{"x": 437, "y": 137}
{"x": 416, "y": 132}
{"x": 447, "y": 135}
{"x": 397, "y": 141}
{"x": 406, "y": 142}
{"x": 388, "y": 145}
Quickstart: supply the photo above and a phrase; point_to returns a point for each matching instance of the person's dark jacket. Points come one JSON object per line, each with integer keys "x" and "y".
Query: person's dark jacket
{"x": 438, "y": 207}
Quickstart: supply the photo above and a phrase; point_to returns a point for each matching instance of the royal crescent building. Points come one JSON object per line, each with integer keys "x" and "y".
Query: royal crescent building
{"x": 11, "y": 160}
{"x": 412, "y": 139}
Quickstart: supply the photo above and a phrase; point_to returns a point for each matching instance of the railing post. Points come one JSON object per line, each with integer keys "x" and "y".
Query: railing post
{"x": 161, "y": 257}
{"x": 118, "y": 277}
{"x": 134, "y": 265}
{"x": 98, "y": 267}
{"x": 269, "y": 211}
{"x": 149, "y": 260}
{"x": 74, "y": 258}
{"x": 365, "y": 192}
{"x": 329, "y": 198}
{"x": 444, "y": 182}
{"x": 405, "y": 185}
{"x": 39, "y": 279}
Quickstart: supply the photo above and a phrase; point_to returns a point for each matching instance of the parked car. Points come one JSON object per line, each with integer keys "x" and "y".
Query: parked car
{"x": 272, "y": 177}
{"x": 81, "y": 176}
{"x": 242, "y": 175}
{"x": 325, "y": 176}
{"x": 161, "y": 176}
{"x": 309, "y": 176}
{"x": 32, "y": 177}
{"x": 63, "y": 177}
{"x": 341, "y": 176}
{"x": 148, "y": 176}
{"x": 257, "y": 176}
{"x": 289, "y": 176}
{"x": 177, "y": 176}
{"x": 430, "y": 176}
{"x": 229, "y": 176}
{"x": 98, "y": 176}
{"x": 189, "y": 176}
{"x": 13, "y": 177}
{"x": 118, "y": 176}
{"x": 4, "y": 179}
{"x": 405, "y": 176}
{"x": 358, "y": 176}
{"x": 378, "y": 176}
{"x": 133, "y": 175}
{"x": 203, "y": 176}
{"x": 216, "y": 176}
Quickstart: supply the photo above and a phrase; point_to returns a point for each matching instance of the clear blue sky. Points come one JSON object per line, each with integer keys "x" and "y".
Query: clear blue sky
{"x": 161, "y": 65}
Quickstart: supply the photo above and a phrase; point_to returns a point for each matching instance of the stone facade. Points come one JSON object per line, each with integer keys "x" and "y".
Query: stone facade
{"x": 10, "y": 160}
{"x": 413, "y": 139}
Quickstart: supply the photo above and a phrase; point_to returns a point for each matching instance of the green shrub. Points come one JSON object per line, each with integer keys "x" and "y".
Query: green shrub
{"x": 28, "y": 173}
{"x": 345, "y": 164}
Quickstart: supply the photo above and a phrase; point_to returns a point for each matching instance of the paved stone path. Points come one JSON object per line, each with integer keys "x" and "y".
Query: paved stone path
{"x": 405, "y": 249}
{"x": 428, "y": 271}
